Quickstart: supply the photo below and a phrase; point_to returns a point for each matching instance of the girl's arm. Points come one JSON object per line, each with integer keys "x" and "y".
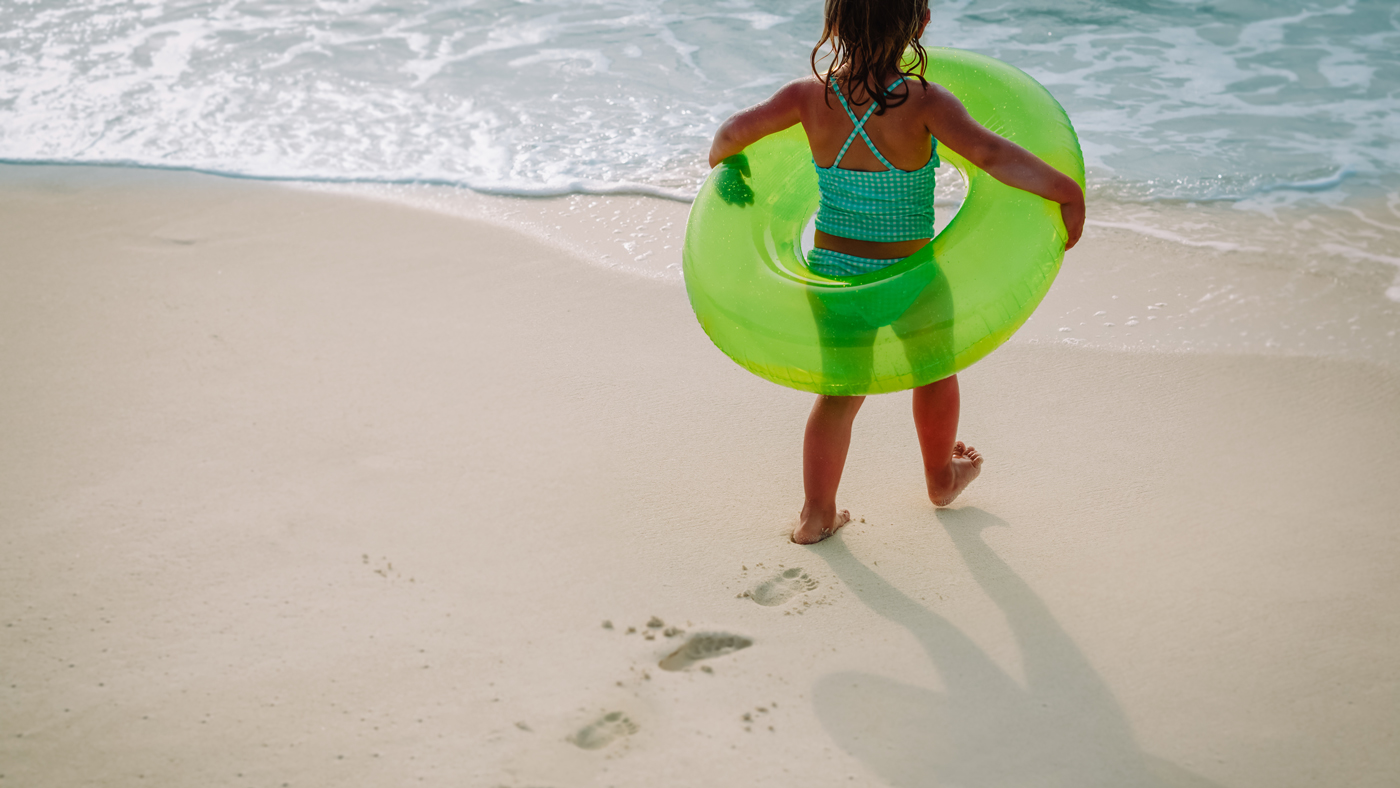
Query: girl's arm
{"x": 779, "y": 112}
{"x": 1005, "y": 160}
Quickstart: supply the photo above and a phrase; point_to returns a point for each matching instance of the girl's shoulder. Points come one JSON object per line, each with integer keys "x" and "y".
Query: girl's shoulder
{"x": 928, "y": 93}
{"x": 804, "y": 88}
{"x": 803, "y": 95}
{"x": 810, "y": 95}
{"x": 932, "y": 102}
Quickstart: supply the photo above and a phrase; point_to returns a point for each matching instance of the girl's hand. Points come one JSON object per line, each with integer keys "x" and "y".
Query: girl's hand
{"x": 947, "y": 119}
{"x": 1073, "y": 214}
{"x": 730, "y": 183}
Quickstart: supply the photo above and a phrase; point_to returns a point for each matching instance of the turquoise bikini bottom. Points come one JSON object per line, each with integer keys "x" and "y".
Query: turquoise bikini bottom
{"x": 876, "y": 306}
{"x": 829, "y": 263}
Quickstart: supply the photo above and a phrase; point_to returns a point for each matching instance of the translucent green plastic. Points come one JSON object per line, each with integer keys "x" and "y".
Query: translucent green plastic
{"x": 918, "y": 321}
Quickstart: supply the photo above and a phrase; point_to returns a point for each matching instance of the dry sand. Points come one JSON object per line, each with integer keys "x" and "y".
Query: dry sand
{"x": 305, "y": 490}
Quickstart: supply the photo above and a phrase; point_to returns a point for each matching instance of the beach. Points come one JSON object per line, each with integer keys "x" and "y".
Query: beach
{"x": 303, "y": 488}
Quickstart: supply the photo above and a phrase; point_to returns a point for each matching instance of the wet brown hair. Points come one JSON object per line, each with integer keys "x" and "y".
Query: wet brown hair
{"x": 868, "y": 38}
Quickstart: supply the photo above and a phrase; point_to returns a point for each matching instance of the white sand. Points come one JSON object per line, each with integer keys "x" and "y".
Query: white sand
{"x": 304, "y": 490}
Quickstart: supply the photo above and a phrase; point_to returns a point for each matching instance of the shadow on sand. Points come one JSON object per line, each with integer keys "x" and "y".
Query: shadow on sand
{"x": 1063, "y": 728}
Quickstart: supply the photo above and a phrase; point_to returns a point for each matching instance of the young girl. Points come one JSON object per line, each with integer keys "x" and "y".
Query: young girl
{"x": 875, "y": 175}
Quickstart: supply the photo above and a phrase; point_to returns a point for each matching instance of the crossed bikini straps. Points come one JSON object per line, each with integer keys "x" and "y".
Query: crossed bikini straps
{"x": 860, "y": 126}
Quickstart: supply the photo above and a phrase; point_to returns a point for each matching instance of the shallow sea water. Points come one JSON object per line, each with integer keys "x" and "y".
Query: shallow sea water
{"x": 1269, "y": 129}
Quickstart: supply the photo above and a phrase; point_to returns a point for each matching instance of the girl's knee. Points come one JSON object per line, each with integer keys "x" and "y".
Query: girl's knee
{"x": 840, "y": 404}
{"x": 950, "y": 382}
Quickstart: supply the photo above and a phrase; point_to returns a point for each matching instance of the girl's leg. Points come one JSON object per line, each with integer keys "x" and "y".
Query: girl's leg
{"x": 949, "y": 466}
{"x": 926, "y": 330}
{"x": 847, "y": 342}
{"x": 824, "y": 448}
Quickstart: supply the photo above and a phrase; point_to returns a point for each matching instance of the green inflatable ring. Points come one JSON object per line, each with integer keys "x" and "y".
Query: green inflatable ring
{"x": 915, "y": 322}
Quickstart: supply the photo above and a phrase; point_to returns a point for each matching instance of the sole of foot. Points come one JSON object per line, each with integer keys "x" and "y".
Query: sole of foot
{"x": 966, "y": 465}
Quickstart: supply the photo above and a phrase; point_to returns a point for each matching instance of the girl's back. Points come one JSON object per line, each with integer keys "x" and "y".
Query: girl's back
{"x": 899, "y": 133}
{"x": 894, "y": 220}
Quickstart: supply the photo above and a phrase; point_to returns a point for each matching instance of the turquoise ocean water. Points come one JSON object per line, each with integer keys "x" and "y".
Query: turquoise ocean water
{"x": 1265, "y": 107}
{"x": 1172, "y": 99}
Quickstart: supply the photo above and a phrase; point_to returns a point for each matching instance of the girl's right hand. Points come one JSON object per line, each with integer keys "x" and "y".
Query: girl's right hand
{"x": 1072, "y": 213}
{"x": 948, "y": 120}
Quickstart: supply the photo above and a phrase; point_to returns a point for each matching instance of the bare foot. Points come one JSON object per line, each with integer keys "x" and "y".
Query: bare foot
{"x": 810, "y": 530}
{"x": 965, "y": 466}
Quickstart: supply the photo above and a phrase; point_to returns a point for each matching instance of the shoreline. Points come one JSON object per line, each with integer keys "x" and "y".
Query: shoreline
{"x": 1210, "y": 296}
{"x": 310, "y": 489}
{"x": 1135, "y": 283}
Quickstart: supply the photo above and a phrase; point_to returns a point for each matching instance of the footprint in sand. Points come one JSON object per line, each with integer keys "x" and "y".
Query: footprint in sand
{"x": 781, "y": 587}
{"x": 705, "y": 645}
{"x": 603, "y": 731}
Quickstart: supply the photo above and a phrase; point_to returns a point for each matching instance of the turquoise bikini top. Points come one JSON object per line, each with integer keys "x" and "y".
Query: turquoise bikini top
{"x": 890, "y": 205}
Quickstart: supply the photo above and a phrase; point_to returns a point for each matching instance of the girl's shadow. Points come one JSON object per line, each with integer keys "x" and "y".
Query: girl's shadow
{"x": 1063, "y": 728}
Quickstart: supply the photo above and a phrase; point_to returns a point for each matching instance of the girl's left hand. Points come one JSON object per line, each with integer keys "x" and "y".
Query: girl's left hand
{"x": 730, "y": 183}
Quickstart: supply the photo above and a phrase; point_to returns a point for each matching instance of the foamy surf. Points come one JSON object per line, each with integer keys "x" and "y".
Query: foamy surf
{"x": 566, "y": 96}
